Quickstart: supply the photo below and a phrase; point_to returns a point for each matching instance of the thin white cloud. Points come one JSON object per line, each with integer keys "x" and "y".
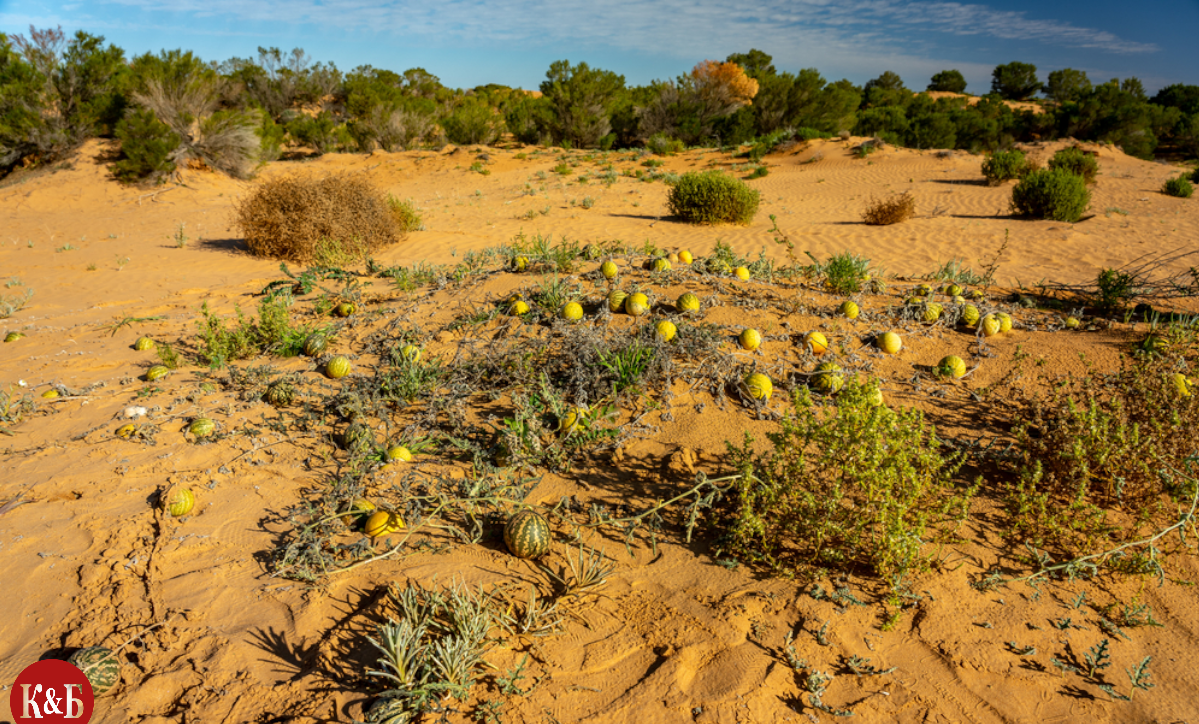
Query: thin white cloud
{"x": 671, "y": 26}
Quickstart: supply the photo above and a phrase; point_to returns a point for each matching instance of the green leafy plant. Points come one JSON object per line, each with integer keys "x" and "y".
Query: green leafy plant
{"x": 1179, "y": 187}
{"x": 1002, "y": 166}
{"x": 712, "y": 197}
{"x": 845, "y": 486}
{"x": 1077, "y": 162}
{"x": 1055, "y": 194}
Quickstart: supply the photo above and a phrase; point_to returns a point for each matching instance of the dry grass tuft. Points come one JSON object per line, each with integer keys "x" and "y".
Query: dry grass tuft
{"x": 891, "y": 210}
{"x": 298, "y": 219}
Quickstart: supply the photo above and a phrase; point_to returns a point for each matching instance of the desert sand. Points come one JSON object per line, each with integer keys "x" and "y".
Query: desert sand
{"x": 674, "y": 637}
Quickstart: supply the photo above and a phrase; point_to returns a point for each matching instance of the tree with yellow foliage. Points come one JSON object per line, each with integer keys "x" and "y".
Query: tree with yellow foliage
{"x": 686, "y": 108}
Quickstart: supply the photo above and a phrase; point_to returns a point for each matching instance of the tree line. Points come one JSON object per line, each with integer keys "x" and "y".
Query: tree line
{"x": 170, "y": 108}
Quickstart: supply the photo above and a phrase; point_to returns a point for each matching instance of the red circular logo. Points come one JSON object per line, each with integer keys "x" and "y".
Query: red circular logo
{"x": 52, "y": 691}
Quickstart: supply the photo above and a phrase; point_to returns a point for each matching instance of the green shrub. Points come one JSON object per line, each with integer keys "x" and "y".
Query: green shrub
{"x": 1077, "y": 162}
{"x": 407, "y": 217}
{"x": 288, "y": 217}
{"x": 1100, "y": 456}
{"x": 663, "y": 145}
{"x": 473, "y": 122}
{"x": 1195, "y": 176}
{"x": 1003, "y": 166}
{"x": 322, "y": 133}
{"x": 712, "y": 197}
{"x": 1055, "y": 194}
{"x": 147, "y": 147}
{"x": 1179, "y": 187}
{"x": 845, "y": 486}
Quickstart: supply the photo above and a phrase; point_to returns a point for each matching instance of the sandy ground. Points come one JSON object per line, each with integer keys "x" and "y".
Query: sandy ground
{"x": 674, "y": 638}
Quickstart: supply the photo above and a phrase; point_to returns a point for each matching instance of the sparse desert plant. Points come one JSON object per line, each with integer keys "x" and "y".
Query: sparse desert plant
{"x": 663, "y": 145}
{"x": 712, "y": 197}
{"x": 844, "y": 273}
{"x": 407, "y": 216}
{"x": 855, "y": 484}
{"x": 1102, "y": 457}
{"x": 1180, "y": 187}
{"x": 1077, "y": 162}
{"x": 1002, "y": 166}
{"x": 287, "y": 217}
{"x": 1055, "y": 194}
{"x": 10, "y": 304}
{"x": 891, "y": 210}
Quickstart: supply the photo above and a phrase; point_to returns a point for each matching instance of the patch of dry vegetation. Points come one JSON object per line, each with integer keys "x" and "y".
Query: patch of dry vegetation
{"x": 892, "y": 210}
{"x": 294, "y": 218}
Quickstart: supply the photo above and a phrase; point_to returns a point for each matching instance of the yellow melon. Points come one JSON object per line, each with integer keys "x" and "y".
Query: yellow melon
{"x": 750, "y": 339}
{"x": 759, "y": 386}
{"x": 890, "y": 342}
{"x": 816, "y": 342}
{"x": 665, "y": 330}
{"x": 848, "y": 310}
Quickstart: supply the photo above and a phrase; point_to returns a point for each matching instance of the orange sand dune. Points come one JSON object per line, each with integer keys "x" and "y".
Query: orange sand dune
{"x": 674, "y": 638}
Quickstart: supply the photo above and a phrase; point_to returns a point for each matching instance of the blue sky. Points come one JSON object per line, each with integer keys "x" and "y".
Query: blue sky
{"x": 471, "y": 42}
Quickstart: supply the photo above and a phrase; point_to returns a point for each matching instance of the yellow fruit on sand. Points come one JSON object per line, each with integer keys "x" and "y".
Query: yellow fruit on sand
{"x": 358, "y": 509}
{"x": 636, "y": 305}
{"x": 828, "y": 378}
{"x": 520, "y": 263}
{"x": 951, "y": 366}
{"x": 989, "y": 325}
{"x": 742, "y": 273}
{"x": 616, "y": 300}
{"x": 571, "y": 420}
{"x": 1182, "y": 384}
{"x": 890, "y": 343}
{"x": 157, "y": 372}
{"x": 410, "y": 352}
{"x": 952, "y": 290}
{"x": 399, "y": 453}
{"x": 923, "y": 290}
{"x": 178, "y": 502}
{"x": 345, "y": 309}
{"x": 518, "y": 308}
{"x": 959, "y": 299}
{"x": 685, "y": 257}
{"x": 848, "y": 310}
{"x": 1005, "y": 322}
{"x": 337, "y": 368}
{"x": 572, "y": 311}
{"x": 817, "y": 342}
{"x": 49, "y": 394}
{"x": 759, "y": 386}
{"x": 143, "y": 344}
{"x": 661, "y": 265}
{"x": 1072, "y": 323}
{"x": 665, "y": 330}
{"x": 688, "y": 303}
{"x": 970, "y": 315}
{"x": 672, "y": 257}
{"x": 932, "y": 312}
{"x": 750, "y": 339}
{"x": 383, "y": 522}
{"x": 609, "y": 270}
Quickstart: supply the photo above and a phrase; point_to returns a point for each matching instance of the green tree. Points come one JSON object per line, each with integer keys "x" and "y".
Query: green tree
{"x": 64, "y": 92}
{"x": 1015, "y": 81}
{"x": 948, "y": 81}
{"x": 1134, "y": 86}
{"x": 1067, "y": 84}
{"x": 580, "y": 100}
{"x": 886, "y": 90}
{"x": 757, "y": 65}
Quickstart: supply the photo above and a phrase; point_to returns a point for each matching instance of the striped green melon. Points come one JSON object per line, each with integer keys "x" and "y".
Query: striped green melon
{"x": 358, "y": 438}
{"x": 688, "y": 302}
{"x": 338, "y": 367}
{"x": 527, "y": 534}
{"x": 281, "y": 393}
{"x": 315, "y": 345}
{"x": 616, "y": 300}
{"x": 202, "y": 427}
{"x": 100, "y": 667}
{"x": 143, "y": 343}
{"x": 157, "y": 372}
{"x": 345, "y": 309}
{"x": 661, "y": 265}
{"x": 13, "y": 336}
{"x": 178, "y": 502}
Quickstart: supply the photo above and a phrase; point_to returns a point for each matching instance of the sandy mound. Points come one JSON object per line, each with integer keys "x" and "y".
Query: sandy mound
{"x": 215, "y": 634}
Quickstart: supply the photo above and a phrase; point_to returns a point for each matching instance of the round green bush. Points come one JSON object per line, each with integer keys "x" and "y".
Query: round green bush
{"x": 712, "y": 197}
{"x": 1052, "y": 193}
{"x": 1195, "y": 176}
{"x": 1179, "y": 187}
{"x": 1002, "y": 166}
{"x": 1076, "y": 162}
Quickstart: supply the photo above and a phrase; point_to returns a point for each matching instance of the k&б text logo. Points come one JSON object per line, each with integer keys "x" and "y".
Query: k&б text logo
{"x": 52, "y": 691}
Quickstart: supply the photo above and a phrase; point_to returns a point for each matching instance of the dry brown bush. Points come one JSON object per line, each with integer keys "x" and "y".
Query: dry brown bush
{"x": 298, "y": 218}
{"x": 891, "y": 210}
